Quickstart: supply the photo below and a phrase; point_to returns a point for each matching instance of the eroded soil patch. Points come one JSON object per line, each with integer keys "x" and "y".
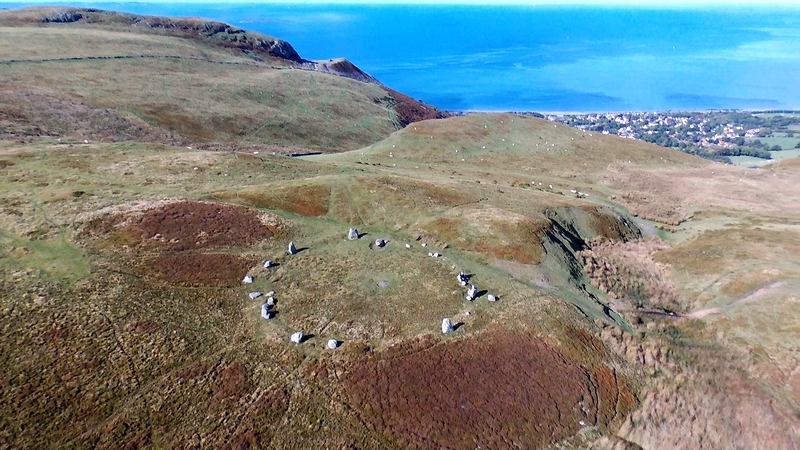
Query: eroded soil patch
{"x": 495, "y": 390}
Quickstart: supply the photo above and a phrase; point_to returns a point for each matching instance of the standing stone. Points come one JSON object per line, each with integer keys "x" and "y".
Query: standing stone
{"x": 379, "y": 243}
{"x": 265, "y": 311}
{"x": 352, "y": 234}
{"x": 296, "y": 337}
{"x": 268, "y": 264}
{"x": 291, "y": 249}
{"x": 247, "y": 279}
{"x": 472, "y": 292}
{"x": 270, "y": 301}
{"x": 447, "y": 326}
{"x": 462, "y": 278}
{"x": 332, "y": 343}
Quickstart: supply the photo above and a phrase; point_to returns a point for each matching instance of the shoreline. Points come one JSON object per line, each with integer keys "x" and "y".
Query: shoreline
{"x": 665, "y": 111}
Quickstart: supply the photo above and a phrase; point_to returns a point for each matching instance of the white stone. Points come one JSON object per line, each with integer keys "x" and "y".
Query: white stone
{"x": 408, "y": 245}
{"x": 270, "y": 293}
{"x": 352, "y": 234}
{"x": 332, "y": 343}
{"x": 471, "y": 292}
{"x": 291, "y": 249}
{"x": 265, "y": 311}
{"x": 268, "y": 264}
{"x": 491, "y": 297}
{"x": 247, "y": 279}
{"x": 447, "y": 326}
{"x": 424, "y": 244}
{"x": 254, "y": 295}
{"x": 296, "y": 337}
{"x": 270, "y": 301}
{"x": 379, "y": 243}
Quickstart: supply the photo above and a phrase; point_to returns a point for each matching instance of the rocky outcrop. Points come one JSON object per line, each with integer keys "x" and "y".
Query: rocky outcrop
{"x": 62, "y": 17}
{"x": 341, "y": 67}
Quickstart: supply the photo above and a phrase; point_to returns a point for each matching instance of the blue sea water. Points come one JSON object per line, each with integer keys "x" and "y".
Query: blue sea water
{"x": 538, "y": 58}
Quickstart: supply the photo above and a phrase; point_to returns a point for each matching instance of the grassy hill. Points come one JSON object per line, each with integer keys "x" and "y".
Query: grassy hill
{"x": 647, "y": 298}
{"x": 86, "y": 74}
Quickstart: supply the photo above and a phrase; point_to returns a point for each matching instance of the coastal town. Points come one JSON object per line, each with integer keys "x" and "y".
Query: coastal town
{"x": 711, "y": 134}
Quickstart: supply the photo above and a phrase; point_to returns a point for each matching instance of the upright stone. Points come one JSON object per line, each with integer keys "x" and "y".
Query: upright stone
{"x": 447, "y": 326}
{"x": 472, "y": 292}
{"x": 352, "y": 234}
{"x": 296, "y": 337}
{"x": 265, "y": 311}
{"x": 332, "y": 343}
{"x": 379, "y": 243}
{"x": 268, "y": 264}
{"x": 247, "y": 279}
{"x": 291, "y": 249}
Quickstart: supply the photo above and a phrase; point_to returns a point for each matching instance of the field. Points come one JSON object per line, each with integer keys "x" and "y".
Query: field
{"x": 646, "y": 298}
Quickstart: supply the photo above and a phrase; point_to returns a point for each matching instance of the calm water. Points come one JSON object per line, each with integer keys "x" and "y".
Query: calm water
{"x": 544, "y": 58}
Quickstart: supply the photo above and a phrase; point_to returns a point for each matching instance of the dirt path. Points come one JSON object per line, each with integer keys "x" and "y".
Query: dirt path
{"x": 755, "y": 295}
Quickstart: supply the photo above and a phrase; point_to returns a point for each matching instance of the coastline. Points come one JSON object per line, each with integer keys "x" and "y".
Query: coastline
{"x": 666, "y": 111}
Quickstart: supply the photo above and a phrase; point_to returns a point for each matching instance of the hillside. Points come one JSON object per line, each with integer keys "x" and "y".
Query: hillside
{"x": 79, "y": 74}
{"x": 644, "y": 298}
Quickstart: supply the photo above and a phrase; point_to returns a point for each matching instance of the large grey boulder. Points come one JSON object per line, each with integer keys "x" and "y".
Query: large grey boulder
{"x": 254, "y": 295}
{"x": 332, "y": 343}
{"x": 379, "y": 243}
{"x": 291, "y": 249}
{"x": 491, "y": 298}
{"x": 352, "y": 234}
{"x": 296, "y": 337}
{"x": 472, "y": 292}
{"x": 447, "y": 326}
{"x": 248, "y": 279}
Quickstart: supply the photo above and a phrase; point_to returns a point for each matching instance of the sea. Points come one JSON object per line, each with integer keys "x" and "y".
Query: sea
{"x": 541, "y": 58}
